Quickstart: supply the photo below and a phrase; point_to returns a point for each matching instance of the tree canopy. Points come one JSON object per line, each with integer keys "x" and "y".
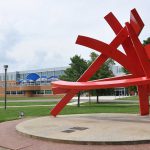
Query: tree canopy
{"x": 105, "y": 70}
{"x": 147, "y": 41}
{"x": 78, "y": 65}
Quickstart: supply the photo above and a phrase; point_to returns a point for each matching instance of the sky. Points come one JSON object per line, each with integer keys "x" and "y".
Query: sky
{"x": 38, "y": 34}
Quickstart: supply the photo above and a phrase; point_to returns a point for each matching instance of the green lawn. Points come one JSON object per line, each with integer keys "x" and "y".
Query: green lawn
{"x": 129, "y": 98}
{"x": 27, "y": 103}
{"x": 33, "y": 98}
{"x": 101, "y": 108}
{"x": 13, "y": 113}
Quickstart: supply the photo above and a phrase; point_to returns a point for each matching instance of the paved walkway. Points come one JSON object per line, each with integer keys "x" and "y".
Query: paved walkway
{"x": 10, "y": 139}
{"x": 92, "y": 98}
{"x": 69, "y": 104}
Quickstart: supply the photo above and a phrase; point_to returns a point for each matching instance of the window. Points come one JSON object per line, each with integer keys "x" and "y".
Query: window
{"x": 20, "y": 92}
{"x": 40, "y": 92}
{"x": 13, "y": 92}
{"x": 8, "y": 92}
{"x": 48, "y": 92}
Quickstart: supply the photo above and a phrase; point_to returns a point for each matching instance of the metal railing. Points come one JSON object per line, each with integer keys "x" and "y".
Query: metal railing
{"x": 25, "y": 84}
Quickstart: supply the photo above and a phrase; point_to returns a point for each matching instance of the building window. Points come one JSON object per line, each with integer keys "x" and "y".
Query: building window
{"x": 13, "y": 92}
{"x": 40, "y": 92}
{"x": 8, "y": 92}
{"x": 48, "y": 92}
{"x": 20, "y": 92}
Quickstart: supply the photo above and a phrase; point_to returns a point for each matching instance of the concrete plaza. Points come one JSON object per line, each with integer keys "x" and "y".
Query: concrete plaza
{"x": 12, "y": 140}
{"x": 101, "y": 128}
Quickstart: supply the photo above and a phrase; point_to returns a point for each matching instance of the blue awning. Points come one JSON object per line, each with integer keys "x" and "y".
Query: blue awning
{"x": 33, "y": 76}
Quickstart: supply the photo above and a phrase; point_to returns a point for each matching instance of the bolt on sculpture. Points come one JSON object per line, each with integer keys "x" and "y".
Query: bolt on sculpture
{"x": 136, "y": 61}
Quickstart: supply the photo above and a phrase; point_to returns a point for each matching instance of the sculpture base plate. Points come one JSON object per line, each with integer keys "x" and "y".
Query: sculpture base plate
{"x": 104, "y": 128}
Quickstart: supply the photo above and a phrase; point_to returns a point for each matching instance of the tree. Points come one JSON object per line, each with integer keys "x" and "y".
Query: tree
{"x": 125, "y": 71}
{"x": 77, "y": 67}
{"x": 147, "y": 41}
{"x": 104, "y": 71}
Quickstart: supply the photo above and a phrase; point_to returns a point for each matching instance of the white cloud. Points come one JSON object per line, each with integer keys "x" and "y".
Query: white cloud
{"x": 42, "y": 33}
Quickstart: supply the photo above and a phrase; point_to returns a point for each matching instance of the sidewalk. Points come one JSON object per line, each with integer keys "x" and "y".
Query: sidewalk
{"x": 101, "y": 97}
{"x": 93, "y": 98}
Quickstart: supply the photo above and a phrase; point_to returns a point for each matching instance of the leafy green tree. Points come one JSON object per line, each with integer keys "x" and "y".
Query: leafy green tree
{"x": 147, "y": 41}
{"x": 125, "y": 71}
{"x": 77, "y": 67}
{"x": 104, "y": 71}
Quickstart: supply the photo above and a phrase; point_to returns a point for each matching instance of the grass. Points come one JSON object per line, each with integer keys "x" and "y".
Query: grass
{"x": 33, "y": 98}
{"x": 129, "y": 98}
{"x": 103, "y": 108}
{"x": 27, "y": 103}
{"x": 13, "y": 113}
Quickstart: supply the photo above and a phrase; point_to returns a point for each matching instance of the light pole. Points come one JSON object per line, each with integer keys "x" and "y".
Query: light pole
{"x": 5, "y": 67}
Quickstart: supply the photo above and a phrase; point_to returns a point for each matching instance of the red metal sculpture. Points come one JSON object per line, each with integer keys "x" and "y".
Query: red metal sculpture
{"x": 136, "y": 61}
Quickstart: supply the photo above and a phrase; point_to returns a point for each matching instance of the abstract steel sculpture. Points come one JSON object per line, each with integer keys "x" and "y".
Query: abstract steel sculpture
{"x": 136, "y": 61}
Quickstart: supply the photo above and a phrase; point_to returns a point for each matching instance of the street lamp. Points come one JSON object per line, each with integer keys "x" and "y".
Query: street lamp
{"x": 5, "y": 67}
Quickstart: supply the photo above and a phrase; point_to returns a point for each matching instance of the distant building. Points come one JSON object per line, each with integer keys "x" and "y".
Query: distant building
{"x": 38, "y": 82}
{"x": 30, "y": 82}
{"x": 117, "y": 71}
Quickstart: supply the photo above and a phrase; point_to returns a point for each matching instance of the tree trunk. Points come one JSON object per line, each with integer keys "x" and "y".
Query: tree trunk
{"x": 78, "y": 100}
{"x": 97, "y": 98}
{"x": 89, "y": 97}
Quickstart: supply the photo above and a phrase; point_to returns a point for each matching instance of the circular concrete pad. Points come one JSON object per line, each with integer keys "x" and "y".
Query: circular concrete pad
{"x": 90, "y": 128}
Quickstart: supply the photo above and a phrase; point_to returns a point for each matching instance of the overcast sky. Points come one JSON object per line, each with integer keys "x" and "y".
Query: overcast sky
{"x": 36, "y": 34}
